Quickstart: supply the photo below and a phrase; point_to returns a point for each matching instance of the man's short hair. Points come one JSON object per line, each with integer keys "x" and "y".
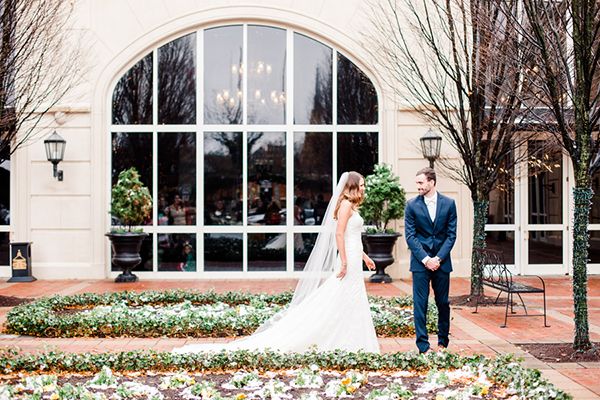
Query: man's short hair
{"x": 429, "y": 174}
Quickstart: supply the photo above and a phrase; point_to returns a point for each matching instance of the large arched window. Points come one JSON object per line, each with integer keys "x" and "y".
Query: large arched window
{"x": 240, "y": 132}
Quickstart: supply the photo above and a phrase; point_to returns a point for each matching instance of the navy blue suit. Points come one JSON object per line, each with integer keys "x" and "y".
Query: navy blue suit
{"x": 430, "y": 238}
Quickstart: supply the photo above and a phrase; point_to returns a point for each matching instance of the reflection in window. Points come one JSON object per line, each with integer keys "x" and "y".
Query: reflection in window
{"x": 502, "y": 206}
{"x": 266, "y": 251}
{"x": 595, "y": 210}
{"x": 132, "y": 97}
{"x": 357, "y": 98}
{"x": 266, "y": 178}
{"x": 545, "y": 247}
{"x": 177, "y": 81}
{"x": 266, "y": 75}
{"x": 132, "y": 150}
{"x": 223, "y": 251}
{"x": 357, "y": 152}
{"x": 5, "y": 193}
{"x": 223, "y": 178}
{"x": 176, "y": 179}
{"x": 177, "y": 252}
{"x": 303, "y": 245}
{"x": 503, "y": 241}
{"x": 145, "y": 253}
{"x": 4, "y": 249}
{"x": 545, "y": 184}
{"x": 312, "y": 81}
{"x": 223, "y": 75}
{"x": 312, "y": 176}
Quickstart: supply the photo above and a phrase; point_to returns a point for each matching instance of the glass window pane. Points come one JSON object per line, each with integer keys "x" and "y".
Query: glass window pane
{"x": 132, "y": 150}
{"x": 177, "y": 252}
{"x": 177, "y": 81}
{"x": 5, "y": 193}
{"x": 266, "y": 75}
{"x": 545, "y": 184}
{"x": 223, "y": 178}
{"x": 503, "y": 241}
{"x": 266, "y": 178}
{"x": 595, "y": 211}
{"x": 176, "y": 178}
{"x": 223, "y": 75}
{"x": 356, "y": 97}
{"x": 266, "y": 251}
{"x": 357, "y": 152}
{"x": 312, "y": 176}
{"x": 594, "y": 249}
{"x": 223, "y": 251}
{"x": 4, "y": 249}
{"x": 312, "y": 81}
{"x": 545, "y": 247}
{"x": 303, "y": 245}
{"x": 132, "y": 97}
{"x": 145, "y": 253}
{"x": 502, "y": 205}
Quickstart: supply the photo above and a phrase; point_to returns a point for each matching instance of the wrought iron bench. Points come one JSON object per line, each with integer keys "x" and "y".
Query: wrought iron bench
{"x": 496, "y": 275}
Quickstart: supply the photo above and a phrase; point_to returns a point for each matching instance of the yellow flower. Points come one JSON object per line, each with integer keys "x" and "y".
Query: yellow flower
{"x": 351, "y": 389}
{"x": 439, "y": 397}
{"x": 240, "y": 396}
{"x": 346, "y": 381}
{"x": 485, "y": 390}
{"x": 54, "y": 396}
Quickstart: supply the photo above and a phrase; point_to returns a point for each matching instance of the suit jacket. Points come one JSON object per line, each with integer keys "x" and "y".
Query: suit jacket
{"x": 427, "y": 238}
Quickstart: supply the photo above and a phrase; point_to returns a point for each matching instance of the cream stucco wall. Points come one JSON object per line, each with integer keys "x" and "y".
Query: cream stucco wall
{"x": 67, "y": 220}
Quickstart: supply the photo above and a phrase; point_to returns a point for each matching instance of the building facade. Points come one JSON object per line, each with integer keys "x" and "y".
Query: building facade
{"x": 240, "y": 118}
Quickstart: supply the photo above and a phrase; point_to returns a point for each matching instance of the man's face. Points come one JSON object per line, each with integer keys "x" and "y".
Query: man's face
{"x": 423, "y": 185}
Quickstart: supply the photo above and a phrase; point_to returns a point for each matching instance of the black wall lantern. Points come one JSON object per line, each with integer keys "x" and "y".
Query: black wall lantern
{"x": 55, "y": 151}
{"x": 431, "y": 144}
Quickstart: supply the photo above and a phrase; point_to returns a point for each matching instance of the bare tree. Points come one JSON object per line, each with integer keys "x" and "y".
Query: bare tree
{"x": 565, "y": 79}
{"x": 458, "y": 64}
{"x": 38, "y": 65}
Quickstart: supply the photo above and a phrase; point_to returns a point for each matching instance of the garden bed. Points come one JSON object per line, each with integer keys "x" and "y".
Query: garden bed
{"x": 268, "y": 375}
{"x": 180, "y": 314}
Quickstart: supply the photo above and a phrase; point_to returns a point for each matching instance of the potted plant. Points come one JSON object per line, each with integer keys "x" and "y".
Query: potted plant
{"x": 385, "y": 201}
{"x": 131, "y": 205}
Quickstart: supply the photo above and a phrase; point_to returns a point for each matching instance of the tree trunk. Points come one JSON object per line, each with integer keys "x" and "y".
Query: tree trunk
{"x": 480, "y": 208}
{"x": 582, "y": 194}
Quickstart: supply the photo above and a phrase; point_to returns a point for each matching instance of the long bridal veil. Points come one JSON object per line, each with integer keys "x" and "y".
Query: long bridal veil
{"x": 322, "y": 260}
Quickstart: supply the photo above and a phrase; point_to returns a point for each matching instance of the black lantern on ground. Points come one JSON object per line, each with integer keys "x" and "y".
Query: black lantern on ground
{"x": 55, "y": 151}
{"x": 431, "y": 144}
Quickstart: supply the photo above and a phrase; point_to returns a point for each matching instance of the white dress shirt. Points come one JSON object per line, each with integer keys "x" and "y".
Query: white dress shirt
{"x": 431, "y": 203}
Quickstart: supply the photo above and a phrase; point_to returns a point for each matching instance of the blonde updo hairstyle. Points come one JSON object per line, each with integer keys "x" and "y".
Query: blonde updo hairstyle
{"x": 350, "y": 192}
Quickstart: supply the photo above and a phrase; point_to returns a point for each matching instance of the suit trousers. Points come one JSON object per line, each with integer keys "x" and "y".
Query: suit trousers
{"x": 440, "y": 282}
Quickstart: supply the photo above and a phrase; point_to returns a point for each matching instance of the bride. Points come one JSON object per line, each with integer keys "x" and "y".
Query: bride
{"x": 329, "y": 309}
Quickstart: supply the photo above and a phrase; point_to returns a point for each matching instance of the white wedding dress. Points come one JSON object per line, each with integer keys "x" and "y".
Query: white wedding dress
{"x": 336, "y": 315}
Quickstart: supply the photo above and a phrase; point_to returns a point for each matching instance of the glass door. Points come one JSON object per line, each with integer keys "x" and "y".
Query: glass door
{"x": 545, "y": 220}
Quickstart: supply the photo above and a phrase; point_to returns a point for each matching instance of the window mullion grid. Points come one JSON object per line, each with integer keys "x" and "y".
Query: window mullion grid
{"x": 154, "y": 158}
{"x": 245, "y": 74}
{"x": 199, "y": 151}
{"x": 289, "y": 151}
{"x": 334, "y": 121}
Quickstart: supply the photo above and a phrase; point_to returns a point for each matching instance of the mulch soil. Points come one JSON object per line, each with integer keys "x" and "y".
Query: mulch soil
{"x": 561, "y": 352}
{"x": 154, "y": 379}
{"x": 469, "y": 301}
{"x": 11, "y": 301}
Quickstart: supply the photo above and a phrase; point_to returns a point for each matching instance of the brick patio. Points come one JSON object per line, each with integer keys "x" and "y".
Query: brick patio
{"x": 470, "y": 333}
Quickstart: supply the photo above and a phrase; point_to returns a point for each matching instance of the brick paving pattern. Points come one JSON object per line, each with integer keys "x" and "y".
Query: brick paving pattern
{"x": 470, "y": 333}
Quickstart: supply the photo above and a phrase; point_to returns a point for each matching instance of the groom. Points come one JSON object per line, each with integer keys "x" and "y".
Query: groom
{"x": 430, "y": 230}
